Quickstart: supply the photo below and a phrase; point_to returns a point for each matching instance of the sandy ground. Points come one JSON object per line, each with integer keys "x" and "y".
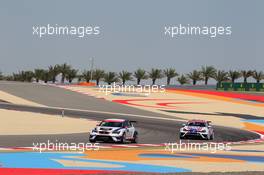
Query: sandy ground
{"x": 26, "y": 123}
{"x": 16, "y": 100}
{"x": 197, "y": 166}
{"x": 72, "y": 163}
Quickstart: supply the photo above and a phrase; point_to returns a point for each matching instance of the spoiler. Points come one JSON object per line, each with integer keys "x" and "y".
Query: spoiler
{"x": 133, "y": 121}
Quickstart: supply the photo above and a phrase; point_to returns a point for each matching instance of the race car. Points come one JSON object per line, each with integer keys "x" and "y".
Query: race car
{"x": 114, "y": 130}
{"x": 197, "y": 129}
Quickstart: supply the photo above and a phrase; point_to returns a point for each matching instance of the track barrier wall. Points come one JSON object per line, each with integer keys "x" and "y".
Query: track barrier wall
{"x": 229, "y": 86}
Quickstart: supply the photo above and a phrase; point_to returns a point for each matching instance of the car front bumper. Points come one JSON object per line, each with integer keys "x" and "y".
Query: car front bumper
{"x": 106, "y": 138}
{"x": 202, "y": 135}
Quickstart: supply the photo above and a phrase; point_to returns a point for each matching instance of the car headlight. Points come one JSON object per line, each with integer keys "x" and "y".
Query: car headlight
{"x": 94, "y": 130}
{"x": 203, "y": 130}
{"x": 116, "y": 131}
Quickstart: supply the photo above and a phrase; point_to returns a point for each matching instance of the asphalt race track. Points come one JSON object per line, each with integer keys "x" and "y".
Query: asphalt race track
{"x": 58, "y": 97}
{"x": 151, "y": 129}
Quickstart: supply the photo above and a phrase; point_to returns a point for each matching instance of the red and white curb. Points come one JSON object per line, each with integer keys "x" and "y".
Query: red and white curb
{"x": 62, "y": 148}
{"x": 259, "y": 140}
{"x": 136, "y": 145}
{"x": 106, "y": 146}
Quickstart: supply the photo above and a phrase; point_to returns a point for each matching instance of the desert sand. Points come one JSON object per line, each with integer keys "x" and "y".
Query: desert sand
{"x": 27, "y": 123}
{"x": 16, "y": 100}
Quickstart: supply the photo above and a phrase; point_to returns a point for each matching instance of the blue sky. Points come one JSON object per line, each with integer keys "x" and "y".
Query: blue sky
{"x": 132, "y": 34}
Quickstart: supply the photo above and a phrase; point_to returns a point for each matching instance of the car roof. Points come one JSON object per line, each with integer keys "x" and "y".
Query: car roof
{"x": 200, "y": 121}
{"x": 114, "y": 120}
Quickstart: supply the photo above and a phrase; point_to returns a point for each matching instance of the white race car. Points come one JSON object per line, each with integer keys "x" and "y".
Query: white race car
{"x": 197, "y": 128}
{"x": 115, "y": 130}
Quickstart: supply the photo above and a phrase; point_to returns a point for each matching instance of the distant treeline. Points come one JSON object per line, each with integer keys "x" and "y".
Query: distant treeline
{"x": 68, "y": 73}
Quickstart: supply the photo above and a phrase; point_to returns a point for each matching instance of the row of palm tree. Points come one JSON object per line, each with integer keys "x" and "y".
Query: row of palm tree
{"x": 68, "y": 73}
{"x": 46, "y": 75}
{"x": 220, "y": 75}
{"x": 234, "y": 75}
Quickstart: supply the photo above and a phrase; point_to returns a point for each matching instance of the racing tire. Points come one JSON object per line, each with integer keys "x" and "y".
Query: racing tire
{"x": 135, "y": 138}
{"x": 212, "y": 137}
{"x": 123, "y": 138}
{"x": 208, "y": 137}
{"x": 181, "y": 137}
{"x": 92, "y": 141}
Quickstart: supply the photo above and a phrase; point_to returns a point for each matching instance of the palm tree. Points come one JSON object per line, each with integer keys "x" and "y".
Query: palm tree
{"x": 140, "y": 74}
{"x": 46, "y": 76}
{"x": 1, "y": 76}
{"x": 8, "y": 78}
{"x": 246, "y": 74}
{"x": 195, "y": 76}
{"x": 38, "y": 74}
{"x": 155, "y": 74}
{"x": 86, "y": 75}
{"x": 25, "y": 76}
{"x": 79, "y": 77}
{"x": 207, "y": 72}
{"x": 54, "y": 71}
{"x": 221, "y": 76}
{"x": 16, "y": 77}
{"x": 97, "y": 75}
{"x": 233, "y": 75}
{"x": 125, "y": 76}
{"x": 64, "y": 70}
{"x": 110, "y": 77}
{"x": 183, "y": 80}
{"x": 71, "y": 74}
{"x": 170, "y": 73}
{"x": 258, "y": 76}
{"x": 29, "y": 75}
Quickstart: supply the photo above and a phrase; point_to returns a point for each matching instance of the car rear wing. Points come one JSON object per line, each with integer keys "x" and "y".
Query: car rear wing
{"x": 133, "y": 121}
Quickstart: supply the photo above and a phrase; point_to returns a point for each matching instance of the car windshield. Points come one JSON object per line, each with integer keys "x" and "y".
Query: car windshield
{"x": 111, "y": 124}
{"x": 200, "y": 124}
